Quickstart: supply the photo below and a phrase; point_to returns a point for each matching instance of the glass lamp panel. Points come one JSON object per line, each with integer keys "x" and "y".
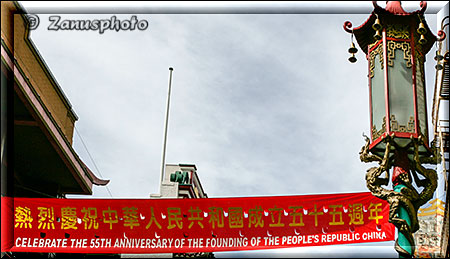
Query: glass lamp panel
{"x": 421, "y": 103}
{"x": 378, "y": 98}
{"x": 401, "y": 94}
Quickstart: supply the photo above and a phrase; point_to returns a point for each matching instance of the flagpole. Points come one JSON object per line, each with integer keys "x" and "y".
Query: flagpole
{"x": 165, "y": 131}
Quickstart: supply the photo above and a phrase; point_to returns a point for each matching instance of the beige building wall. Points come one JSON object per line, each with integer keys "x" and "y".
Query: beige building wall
{"x": 15, "y": 35}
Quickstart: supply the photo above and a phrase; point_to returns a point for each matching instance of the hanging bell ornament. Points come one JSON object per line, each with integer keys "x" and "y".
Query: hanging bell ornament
{"x": 352, "y": 59}
{"x": 377, "y": 25}
{"x": 422, "y": 39}
{"x": 352, "y": 49}
{"x": 438, "y": 56}
{"x": 421, "y": 30}
{"x": 377, "y": 35}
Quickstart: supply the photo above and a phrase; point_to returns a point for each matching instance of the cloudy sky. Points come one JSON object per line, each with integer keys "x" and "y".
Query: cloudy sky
{"x": 262, "y": 104}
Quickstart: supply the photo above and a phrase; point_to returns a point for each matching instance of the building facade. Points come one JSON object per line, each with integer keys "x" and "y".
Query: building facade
{"x": 38, "y": 159}
{"x": 432, "y": 240}
{"x": 37, "y": 122}
{"x": 180, "y": 181}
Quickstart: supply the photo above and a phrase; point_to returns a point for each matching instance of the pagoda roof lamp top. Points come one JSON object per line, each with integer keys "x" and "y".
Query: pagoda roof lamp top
{"x": 393, "y": 13}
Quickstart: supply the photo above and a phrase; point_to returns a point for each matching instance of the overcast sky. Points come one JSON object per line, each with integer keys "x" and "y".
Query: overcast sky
{"x": 262, "y": 104}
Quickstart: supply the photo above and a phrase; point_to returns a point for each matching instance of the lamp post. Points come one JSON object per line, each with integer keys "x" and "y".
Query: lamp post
{"x": 395, "y": 43}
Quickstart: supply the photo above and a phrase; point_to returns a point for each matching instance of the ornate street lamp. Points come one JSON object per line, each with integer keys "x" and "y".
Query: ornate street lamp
{"x": 395, "y": 43}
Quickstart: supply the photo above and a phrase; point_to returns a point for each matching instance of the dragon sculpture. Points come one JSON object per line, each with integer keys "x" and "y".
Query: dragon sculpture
{"x": 408, "y": 197}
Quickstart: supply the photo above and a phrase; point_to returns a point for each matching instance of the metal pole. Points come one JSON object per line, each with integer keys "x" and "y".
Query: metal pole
{"x": 404, "y": 244}
{"x": 163, "y": 160}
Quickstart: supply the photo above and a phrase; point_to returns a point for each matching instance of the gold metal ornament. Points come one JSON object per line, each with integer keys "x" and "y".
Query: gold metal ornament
{"x": 438, "y": 56}
{"x": 402, "y": 128}
{"x": 409, "y": 198}
{"x": 398, "y": 31}
{"x": 377, "y": 35}
{"x": 422, "y": 39}
{"x": 392, "y": 46}
{"x": 352, "y": 49}
{"x": 377, "y": 133}
{"x": 377, "y": 51}
{"x": 352, "y": 59}
{"x": 377, "y": 25}
{"x": 421, "y": 30}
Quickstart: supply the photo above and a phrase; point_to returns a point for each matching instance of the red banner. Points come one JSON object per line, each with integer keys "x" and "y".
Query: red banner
{"x": 192, "y": 225}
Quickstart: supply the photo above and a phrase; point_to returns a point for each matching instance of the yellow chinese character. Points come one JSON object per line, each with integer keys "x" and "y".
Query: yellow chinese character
{"x": 216, "y": 217}
{"x": 334, "y": 213}
{"x": 255, "y": 217}
{"x": 23, "y": 217}
{"x": 90, "y": 218}
{"x": 375, "y": 210}
{"x": 174, "y": 214}
{"x": 152, "y": 219}
{"x": 68, "y": 218}
{"x": 197, "y": 218}
{"x": 315, "y": 214}
{"x": 110, "y": 219}
{"x": 235, "y": 217}
{"x": 296, "y": 212}
{"x": 46, "y": 218}
{"x": 278, "y": 211}
{"x": 130, "y": 217}
{"x": 356, "y": 214}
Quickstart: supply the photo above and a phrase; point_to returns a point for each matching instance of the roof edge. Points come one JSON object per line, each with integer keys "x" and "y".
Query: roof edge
{"x": 95, "y": 180}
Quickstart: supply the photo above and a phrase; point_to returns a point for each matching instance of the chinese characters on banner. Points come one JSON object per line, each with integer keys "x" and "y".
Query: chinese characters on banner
{"x": 193, "y": 225}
